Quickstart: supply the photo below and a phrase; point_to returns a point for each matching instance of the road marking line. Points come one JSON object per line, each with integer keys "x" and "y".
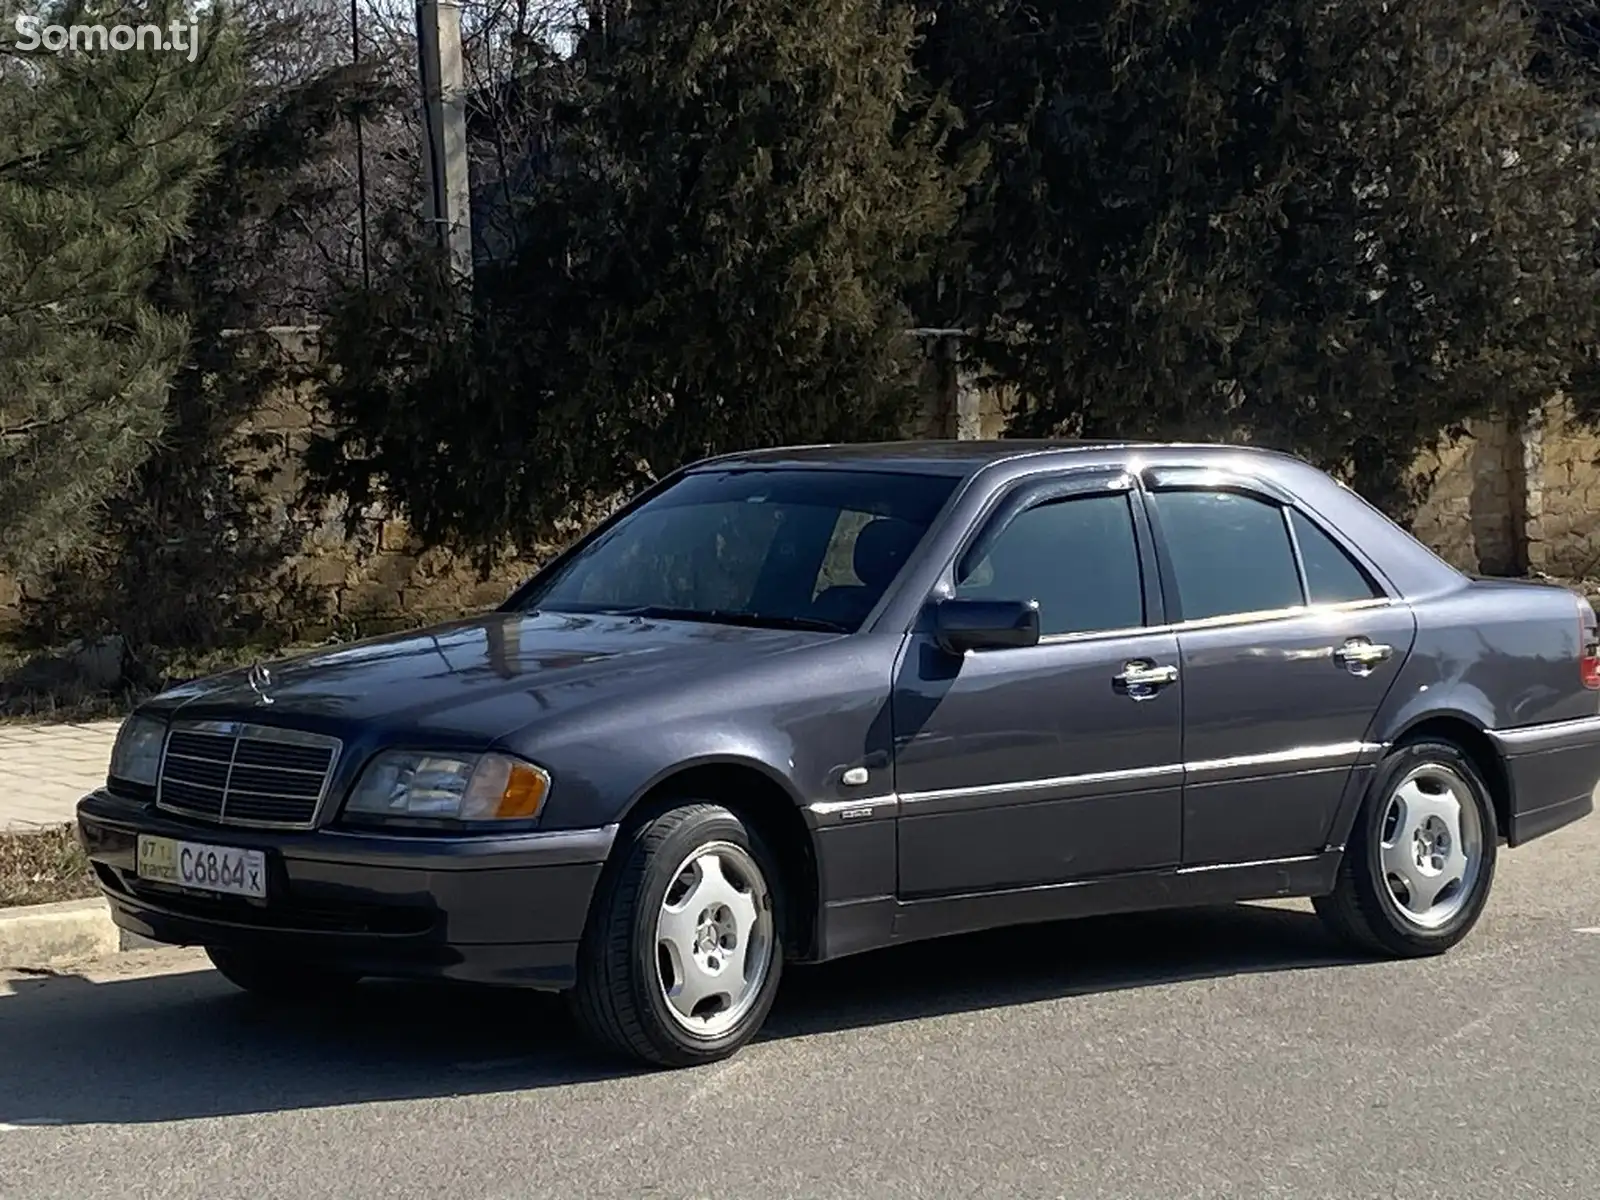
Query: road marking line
{"x": 1590, "y": 929}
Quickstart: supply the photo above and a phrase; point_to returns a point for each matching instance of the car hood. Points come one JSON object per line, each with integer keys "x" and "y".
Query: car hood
{"x": 483, "y": 677}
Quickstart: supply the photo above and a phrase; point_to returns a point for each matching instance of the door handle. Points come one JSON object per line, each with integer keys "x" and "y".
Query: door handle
{"x": 1141, "y": 680}
{"x": 1359, "y": 656}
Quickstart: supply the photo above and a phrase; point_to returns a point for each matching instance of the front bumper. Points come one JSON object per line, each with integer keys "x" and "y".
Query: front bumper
{"x": 502, "y": 910}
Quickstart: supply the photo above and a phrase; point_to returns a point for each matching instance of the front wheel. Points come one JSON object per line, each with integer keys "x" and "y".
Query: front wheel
{"x": 683, "y": 952}
{"x": 1420, "y": 860}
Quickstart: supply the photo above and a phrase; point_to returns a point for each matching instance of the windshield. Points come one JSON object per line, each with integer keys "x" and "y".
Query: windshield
{"x": 786, "y": 548}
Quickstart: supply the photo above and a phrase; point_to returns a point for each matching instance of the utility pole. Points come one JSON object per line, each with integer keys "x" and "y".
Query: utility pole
{"x": 444, "y": 129}
{"x": 959, "y": 393}
{"x": 969, "y": 416}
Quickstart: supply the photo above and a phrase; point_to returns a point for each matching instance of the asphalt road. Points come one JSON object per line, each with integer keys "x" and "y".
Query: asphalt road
{"x": 1225, "y": 1053}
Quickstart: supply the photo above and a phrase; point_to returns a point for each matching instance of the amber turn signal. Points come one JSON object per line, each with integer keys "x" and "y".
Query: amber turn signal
{"x": 524, "y": 792}
{"x": 505, "y": 789}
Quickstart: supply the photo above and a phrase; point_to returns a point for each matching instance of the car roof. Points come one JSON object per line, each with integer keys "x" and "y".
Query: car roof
{"x": 962, "y": 458}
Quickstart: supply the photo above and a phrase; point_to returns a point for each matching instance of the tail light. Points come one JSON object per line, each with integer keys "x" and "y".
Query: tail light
{"x": 1588, "y": 647}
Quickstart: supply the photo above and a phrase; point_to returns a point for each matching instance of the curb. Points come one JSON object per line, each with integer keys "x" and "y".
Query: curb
{"x": 53, "y": 935}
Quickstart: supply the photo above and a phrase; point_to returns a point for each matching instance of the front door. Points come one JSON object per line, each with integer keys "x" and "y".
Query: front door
{"x": 1055, "y": 762}
{"x": 1288, "y": 645}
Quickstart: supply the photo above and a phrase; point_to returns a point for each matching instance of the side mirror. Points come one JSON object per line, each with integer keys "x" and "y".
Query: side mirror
{"x": 962, "y": 625}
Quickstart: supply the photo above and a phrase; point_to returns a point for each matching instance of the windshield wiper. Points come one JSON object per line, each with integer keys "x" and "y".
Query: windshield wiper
{"x": 723, "y": 616}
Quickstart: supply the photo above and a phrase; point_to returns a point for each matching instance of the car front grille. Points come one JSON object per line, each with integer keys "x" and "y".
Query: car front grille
{"x": 236, "y": 773}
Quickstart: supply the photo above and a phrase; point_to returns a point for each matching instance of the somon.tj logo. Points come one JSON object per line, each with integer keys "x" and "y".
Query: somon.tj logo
{"x": 178, "y": 37}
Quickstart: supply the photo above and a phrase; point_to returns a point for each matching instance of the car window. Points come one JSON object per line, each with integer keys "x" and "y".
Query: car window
{"x": 713, "y": 562}
{"x": 1230, "y": 553}
{"x": 1332, "y": 576}
{"x": 754, "y": 546}
{"x": 1078, "y": 558}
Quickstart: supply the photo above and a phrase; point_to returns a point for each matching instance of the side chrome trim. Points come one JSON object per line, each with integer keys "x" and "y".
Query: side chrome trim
{"x": 1223, "y": 622}
{"x": 1337, "y": 754}
{"x": 1555, "y": 735}
{"x": 1215, "y": 770}
{"x": 1060, "y": 783}
{"x": 1259, "y": 862}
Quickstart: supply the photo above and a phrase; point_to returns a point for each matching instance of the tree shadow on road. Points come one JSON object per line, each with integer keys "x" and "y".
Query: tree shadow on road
{"x": 188, "y": 1046}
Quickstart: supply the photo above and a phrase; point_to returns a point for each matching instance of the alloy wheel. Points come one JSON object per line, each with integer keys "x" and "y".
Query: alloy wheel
{"x": 1430, "y": 845}
{"x": 714, "y": 939}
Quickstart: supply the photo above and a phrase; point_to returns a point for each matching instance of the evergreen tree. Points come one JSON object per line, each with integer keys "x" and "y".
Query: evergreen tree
{"x": 715, "y": 254}
{"x": 101, "y": 154}
{"x": 195, "y": 543}
{"x": 1340, "y": 229}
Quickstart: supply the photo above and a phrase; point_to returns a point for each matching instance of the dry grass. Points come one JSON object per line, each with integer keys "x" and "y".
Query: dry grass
{"x": 42, "y": 867}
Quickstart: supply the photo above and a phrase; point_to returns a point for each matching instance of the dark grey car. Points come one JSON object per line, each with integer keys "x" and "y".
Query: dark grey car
{"x": 797, "y": 704}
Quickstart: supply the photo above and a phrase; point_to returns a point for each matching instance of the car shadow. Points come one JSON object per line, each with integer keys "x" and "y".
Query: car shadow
{"x": 186, "y": 1046}
{"x": 1029, "y": 963}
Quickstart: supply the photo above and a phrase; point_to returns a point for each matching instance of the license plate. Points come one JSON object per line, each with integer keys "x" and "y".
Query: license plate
{"x": 220, "y": 869}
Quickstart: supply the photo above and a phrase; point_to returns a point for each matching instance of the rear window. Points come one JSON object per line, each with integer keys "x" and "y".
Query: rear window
{"x": 1230, "y": 554}
{"x": 1332, "y": 576}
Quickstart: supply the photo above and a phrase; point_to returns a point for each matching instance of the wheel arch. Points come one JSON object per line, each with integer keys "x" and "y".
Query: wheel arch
{"x": 1357, "y": 909}
{"x": 760, "y": 796}
{"x": 1467, "y": 734}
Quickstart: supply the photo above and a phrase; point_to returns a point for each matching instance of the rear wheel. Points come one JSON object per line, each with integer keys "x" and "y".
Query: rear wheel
{"x": 278, "y": 979}
{"x": 682, "y": 956}
{"x": 1420, "y": 860}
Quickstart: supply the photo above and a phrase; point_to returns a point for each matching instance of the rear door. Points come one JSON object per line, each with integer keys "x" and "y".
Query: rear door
{"x": 1060, "y": 761}
{"x": 1287, "y": 645}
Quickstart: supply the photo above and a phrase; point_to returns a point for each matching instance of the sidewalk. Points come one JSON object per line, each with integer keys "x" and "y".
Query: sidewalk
{"x": 45, "y": 769}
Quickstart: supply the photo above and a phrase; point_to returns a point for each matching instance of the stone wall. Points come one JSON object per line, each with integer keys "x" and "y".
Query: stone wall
{"x": 10, "y": 602}
{"x": 369, "y": 580}
{"x": 378, "y": 574}
{"x": 1510, "y": 498}
{"x": 1503, "y": 500}
{"x": 1563, "y": 497}
{"x": 1471, "y": 513}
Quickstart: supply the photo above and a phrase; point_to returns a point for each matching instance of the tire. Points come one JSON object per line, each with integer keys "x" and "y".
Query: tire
{"x": 277, "y": 979}
{"x": 1396, "y": 838}
{"x": 668, "y": 923}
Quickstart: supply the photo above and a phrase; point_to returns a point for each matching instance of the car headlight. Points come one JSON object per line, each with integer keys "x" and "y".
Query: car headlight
{"x": 412, "y": 785}
{"x": 136, "y": 754}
